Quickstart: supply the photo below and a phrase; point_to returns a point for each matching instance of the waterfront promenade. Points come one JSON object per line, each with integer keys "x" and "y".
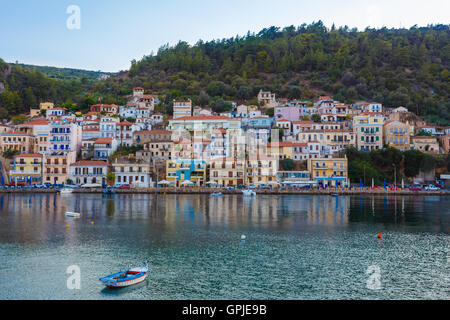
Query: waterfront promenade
{"x": 274, "y": 191}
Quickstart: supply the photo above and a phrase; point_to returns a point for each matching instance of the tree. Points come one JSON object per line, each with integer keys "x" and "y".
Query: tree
{"x": 110, "y": 178}
{"x": 287, "y": 164}
{"x": 316, "y": 118}
{"x": 21, "y": 118}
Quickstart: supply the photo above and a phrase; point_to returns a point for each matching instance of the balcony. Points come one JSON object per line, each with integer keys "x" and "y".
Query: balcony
{"x": 19, "y": 172}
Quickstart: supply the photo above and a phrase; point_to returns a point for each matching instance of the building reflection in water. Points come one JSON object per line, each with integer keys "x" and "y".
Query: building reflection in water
{"x": 28, "y": 217}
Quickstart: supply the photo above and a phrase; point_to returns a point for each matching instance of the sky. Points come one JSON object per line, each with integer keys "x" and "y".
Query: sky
{"x": 113, "y": 32}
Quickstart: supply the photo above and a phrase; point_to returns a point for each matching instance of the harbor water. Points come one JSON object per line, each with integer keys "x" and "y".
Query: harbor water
{"x": 228, "y": 247}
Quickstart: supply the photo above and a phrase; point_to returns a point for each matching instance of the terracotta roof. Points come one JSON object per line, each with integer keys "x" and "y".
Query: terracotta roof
{"x": 89, "y": 163}
{"x": 35, "y": 123}
{"x": 90, "y": 130}
{"x": 17, "y": 133}
{"x": 29, "y": 155}
{"x": 153, "y": 131}
{"x": 303, "y": 122}
{"x": 125, "y": 123}
{"x": 283, "y": 120}
{"x": 201, "y": 118}
{"x": 280, "y": 144}
{"x": 138, "y": 88}
{"x": 103, "y": 140}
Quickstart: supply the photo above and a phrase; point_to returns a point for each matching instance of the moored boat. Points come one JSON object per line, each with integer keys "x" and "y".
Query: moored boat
{"x": 73, "y": 214}
{"x": 126, "y": 278}
{"x": 216, "y": 194}
{"x": 248, "y": 192}
{"x": 66, "y": 191}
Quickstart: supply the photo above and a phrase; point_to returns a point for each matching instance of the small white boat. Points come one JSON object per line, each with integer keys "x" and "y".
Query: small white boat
{"x": 216, "y": 194}
{"x": 66, "y": 191}
{"x": 126, "y": 278}
{"x": 72, "y": 214}
{"x": 249, "y": 192}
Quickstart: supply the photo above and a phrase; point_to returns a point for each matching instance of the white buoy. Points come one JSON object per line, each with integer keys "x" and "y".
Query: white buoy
{"x": 243, "y": 237}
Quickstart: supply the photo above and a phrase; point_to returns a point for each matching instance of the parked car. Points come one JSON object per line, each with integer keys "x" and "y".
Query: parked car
{"x": 125, "y": 186}
{"x": 73, "y": 186}
{"x": 251, "y": 186}
{"x": 432, "y": 188}
{"x": 415, "y": 188}
{"x": 230, "y": 188}
{"x": 264, "y": 186}
{"x": 241, "y": 186}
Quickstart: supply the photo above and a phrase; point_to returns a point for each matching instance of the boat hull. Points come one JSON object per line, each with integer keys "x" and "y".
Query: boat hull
{"x": 127, "y": 283}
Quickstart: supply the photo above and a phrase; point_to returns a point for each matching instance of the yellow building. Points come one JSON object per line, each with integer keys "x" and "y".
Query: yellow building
{"x": 180, "y": 172}
{"x": 425, "y": 144}
{"x": 396, "y": 135}
{"x": 42, "y": 106}
{"x": 281, "y": 150}
{"x": 27, "y": 168}
{"x": 261, "y": 169}
{"x": 329, "y": 171}
{"x": 227, "y": 172}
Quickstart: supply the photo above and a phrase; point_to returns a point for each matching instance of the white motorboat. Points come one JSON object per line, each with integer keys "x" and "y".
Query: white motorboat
{"x": 73, "y": 214}
{"x": 66, "y": 191}
{"x": 249, "y": 192}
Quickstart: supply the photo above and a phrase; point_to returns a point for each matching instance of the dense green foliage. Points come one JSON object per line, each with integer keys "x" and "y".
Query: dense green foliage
{"x": 66, "y": 73}
{"x": 397, "y": 67}
{"x": 381, "y": 164}
{"x": 25, "y": 88}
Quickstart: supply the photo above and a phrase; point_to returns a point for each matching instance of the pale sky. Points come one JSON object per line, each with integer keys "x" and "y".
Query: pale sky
{"x": 113, "y": 32}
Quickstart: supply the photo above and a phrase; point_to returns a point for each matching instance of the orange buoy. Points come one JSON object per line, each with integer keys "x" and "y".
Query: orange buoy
{"x": 67, "y": 226}
{"x": 92, "y": 222}
{"x": 379, "y": 235}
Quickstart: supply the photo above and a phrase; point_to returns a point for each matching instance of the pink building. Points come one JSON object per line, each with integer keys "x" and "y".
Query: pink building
{"x": 287, "y": 113}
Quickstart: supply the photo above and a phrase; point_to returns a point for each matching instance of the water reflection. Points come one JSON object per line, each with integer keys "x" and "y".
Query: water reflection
{"x": 26, "y": 217}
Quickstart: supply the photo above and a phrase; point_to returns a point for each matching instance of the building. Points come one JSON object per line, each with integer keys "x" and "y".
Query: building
{"x": 368, "y": 128}
{"x": 138, "y": 92}
{"x": 396, "y": 135}
{"x": 182, "y": 109}
{"x": 179, "y": 171}
{"x": 19, "y": 141}
{"x": 27, "y": 168}
{"x": 88, "y": 172}
{"x": 104, "y": 148}
{"x": 56, "y": 166}
{"x": 136, "y": 174}
{"x": 261, "y": 169}
{"x": 329, "y": 172}
{"x": 144, "y": 136}
{"x": 425, "y": 144}
{"x": 295, "y": 178}
{"x": 227, "y": 172}
{"x": 445, "y": 141}
{"x": 267, "y": 99}
{"x": 202, "y": 125}
{"x": 281, "y": 150}
{"x": 64, "y": 136}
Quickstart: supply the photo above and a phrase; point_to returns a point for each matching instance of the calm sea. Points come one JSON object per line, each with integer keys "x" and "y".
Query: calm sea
{"x": 296, "y": 247}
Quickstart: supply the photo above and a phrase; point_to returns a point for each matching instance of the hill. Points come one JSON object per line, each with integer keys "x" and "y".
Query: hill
{"x": 66, "y": 73}
{"x": 397, "y": 67}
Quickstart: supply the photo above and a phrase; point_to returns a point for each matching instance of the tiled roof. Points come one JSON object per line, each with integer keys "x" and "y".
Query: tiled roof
{"x": 89, "y": 163}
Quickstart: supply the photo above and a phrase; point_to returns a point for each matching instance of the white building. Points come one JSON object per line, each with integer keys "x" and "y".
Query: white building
{"x": 88, "y": 172}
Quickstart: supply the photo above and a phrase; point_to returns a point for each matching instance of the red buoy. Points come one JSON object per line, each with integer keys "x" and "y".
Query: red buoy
{"x": 379, "y": 235}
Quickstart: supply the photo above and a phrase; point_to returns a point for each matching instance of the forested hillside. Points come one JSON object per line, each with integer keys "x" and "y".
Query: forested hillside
{"x": 398, "y": 67}
{"x": 66, "y": 73}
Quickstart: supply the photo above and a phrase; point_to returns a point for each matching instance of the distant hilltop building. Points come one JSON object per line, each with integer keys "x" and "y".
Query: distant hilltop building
{"x": 138, "y": 92}
{"x": 42, "y": 106}
{"x": 267, "y": 99}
